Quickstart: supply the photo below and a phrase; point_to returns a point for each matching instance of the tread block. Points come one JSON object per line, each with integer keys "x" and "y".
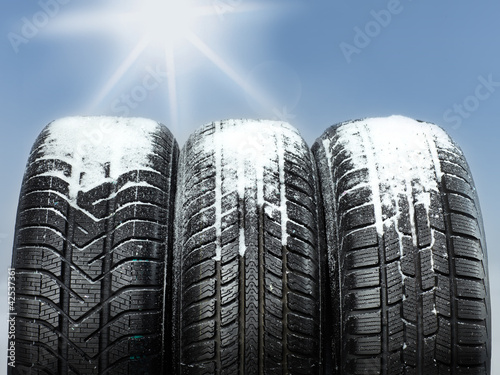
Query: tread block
{"x": 364, "y": 323}
{"x": 361, "y": 299}
{"x": 362, "y": 258}
{"x": 363, "y": 278}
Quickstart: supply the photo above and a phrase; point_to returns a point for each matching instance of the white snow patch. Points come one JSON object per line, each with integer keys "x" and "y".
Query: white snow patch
{"x": 411, "y": 212}
{"x": 254, "y": 141}
{"x": 284, "y": 213}
{"x": 242, "y": 246}
{"x": 403, "y": 276}
{"x": 251, "y": 145}
{"x": 269, "y": 211}
{"x": 218, "y": 197}
{"x": 372, "y": 164}
{"x": 402, "y": 158}
{"x": 431, "y": 246}
{"x": 92, "y": 144}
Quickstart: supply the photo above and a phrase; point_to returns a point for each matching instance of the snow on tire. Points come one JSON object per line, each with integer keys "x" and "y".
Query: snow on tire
{"x": 246, "y": 251}
{"x": 406, "y": 249}
{"x": 92, "y": 246}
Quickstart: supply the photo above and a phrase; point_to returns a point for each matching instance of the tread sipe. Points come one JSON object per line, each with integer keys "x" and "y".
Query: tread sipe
{"x": 246, "y": 252}
{"x": 406, "y": 249}
{"x": 93, "y": 246}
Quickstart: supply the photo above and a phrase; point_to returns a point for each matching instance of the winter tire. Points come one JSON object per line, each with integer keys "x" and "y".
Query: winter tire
{"x": 93, "y": 246}
{"x": 407, "y": 256}
{"x": 246, "y": 252}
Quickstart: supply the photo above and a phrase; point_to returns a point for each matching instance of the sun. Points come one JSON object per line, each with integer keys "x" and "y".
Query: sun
{"x": 157, "y": 27}
{"x": 166, "y": 21}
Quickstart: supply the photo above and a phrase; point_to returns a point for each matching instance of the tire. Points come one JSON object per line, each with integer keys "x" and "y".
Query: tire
{"x": 406, "y": 250}
{"x": 93, "y": 248}
{"x": 246, "y": 252}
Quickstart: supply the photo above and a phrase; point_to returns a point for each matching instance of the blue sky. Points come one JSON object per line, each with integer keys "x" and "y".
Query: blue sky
{"x": 312, "y": 63}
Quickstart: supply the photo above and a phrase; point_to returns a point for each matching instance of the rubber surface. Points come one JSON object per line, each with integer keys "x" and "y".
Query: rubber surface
{"x": 91, "y": 264}
{"x": 408, "y": 270}
{"x": 247, "y": 255}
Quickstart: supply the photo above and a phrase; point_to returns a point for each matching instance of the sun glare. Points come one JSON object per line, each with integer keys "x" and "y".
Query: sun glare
{"x": 157, "y": 27}
{"x": 164, "y": 21}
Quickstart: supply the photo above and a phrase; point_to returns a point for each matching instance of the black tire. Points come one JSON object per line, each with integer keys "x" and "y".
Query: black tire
{"x": 246, "y": 252}
{"x": 93, "y": 248}
{"x": 406, "y": 249}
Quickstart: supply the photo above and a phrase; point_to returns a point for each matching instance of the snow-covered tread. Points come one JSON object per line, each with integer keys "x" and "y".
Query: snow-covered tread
{"x": 246, "y": 251}
{"x": 407, "y": 256}
{"x": 93, "y": 241}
